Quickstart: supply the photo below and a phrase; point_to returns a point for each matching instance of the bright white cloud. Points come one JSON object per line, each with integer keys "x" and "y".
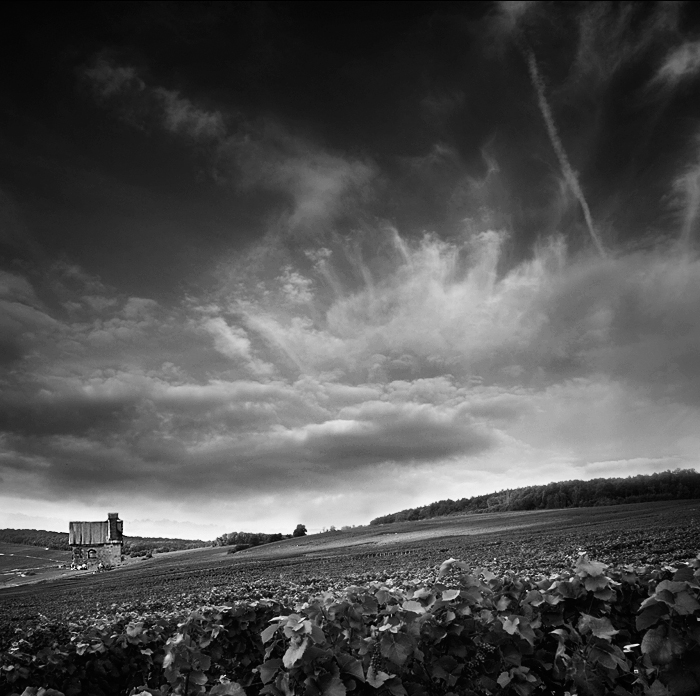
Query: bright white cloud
{"x": 295, "y": 287}
{"x": 680, "y": 64}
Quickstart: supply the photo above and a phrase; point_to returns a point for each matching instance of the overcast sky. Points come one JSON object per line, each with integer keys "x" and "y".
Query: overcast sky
{"x": 271, "y": 263}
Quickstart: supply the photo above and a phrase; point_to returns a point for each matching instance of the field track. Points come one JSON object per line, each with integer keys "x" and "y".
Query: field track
{"x": 525, "y": 542}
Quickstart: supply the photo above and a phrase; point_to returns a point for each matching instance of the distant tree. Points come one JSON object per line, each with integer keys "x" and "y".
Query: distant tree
{"x": 300, "y": 531}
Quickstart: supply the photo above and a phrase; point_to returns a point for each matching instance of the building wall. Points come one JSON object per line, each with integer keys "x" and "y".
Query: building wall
{"x": 107, "y": 554}
{"x": 110, "y": 554}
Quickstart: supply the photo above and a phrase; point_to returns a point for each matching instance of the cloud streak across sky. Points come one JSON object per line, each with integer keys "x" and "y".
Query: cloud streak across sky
{"x": 462, "y": 302}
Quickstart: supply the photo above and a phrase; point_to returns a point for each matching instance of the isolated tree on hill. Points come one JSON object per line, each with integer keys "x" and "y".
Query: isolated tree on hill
{"x": 299, "y": 531}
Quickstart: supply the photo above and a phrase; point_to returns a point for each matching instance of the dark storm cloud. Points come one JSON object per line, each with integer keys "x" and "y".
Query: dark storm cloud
{"x": 234, "y": 448}
{"x": 66, "y": 416}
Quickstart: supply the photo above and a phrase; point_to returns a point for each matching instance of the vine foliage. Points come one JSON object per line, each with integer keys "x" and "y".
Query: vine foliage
{"x": 592, "y": 631}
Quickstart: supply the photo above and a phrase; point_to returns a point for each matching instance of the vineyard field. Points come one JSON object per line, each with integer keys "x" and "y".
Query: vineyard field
{"x": 523, "y": 542}
{"x": 586, "y": 602}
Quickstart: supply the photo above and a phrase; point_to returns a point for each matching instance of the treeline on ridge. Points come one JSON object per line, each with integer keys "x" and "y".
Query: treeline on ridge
{"x": 133, "y": 546}
{"x": 58, "y": 541}
{"x": 246, "y": 540}
{"x": 668, "y": 485}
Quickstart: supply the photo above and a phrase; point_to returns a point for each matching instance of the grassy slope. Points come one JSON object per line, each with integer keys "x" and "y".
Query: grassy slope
{"x": 537, "y": 541}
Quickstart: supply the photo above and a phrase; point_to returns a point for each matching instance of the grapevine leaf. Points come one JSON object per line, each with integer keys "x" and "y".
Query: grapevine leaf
{"x": 599, "y": 627}
{"x": 198, "y": 677}
{"x": 649, "y": 601}
{"x": 350, "y": 665}
{"x": 382, "y": 596}
{"x": 396, "y": 647}
{"x": 534, "y": 597}
{"x": 450, "y": 563}
{"x": 665, "y": 596}
{"x": 422, "y": 593}
{"x": 134, "y": 630}
{"x": 658, "y": 689}
{"x": 503, "y": 679}
{"x": 268, "y": 669}
{"x": 649, "y": 616}
{"x": 586, "y": 567}
{"x": 596, "y": 582}
{"x": 628, "y": 576}
{"x": 331, "y": 685}
{"x": 449, "y": 595}
{"x": 602, "y": 658}
{"x": 270, "y": 631}
{"x": 369, "y": 605}
{"x": 446, "y": 565}
{"x": 317, "y": 634}
{"x": 662, "y": 644}
{"x": 671, "y": 586}
{"x": 415, "y": 607}
{"x": 605, "y": 594}
{"x": 503, "y": 603}
{"x": 685, "y": 603}
{"x": 510, "y": 624}
{"x": 376, "y": 679}
{"x": 395, "y": 687}
{"x": 684, "y": 574}
{"x": 296, "y": 626}
{"x": 295, "y": 651}
{"x": 565, "y": 589}
{"x": 203, "y": 660}
{"x": 282, "y": 684}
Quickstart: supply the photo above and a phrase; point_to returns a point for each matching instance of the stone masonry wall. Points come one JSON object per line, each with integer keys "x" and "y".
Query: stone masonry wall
{"x": 107, "y": 554}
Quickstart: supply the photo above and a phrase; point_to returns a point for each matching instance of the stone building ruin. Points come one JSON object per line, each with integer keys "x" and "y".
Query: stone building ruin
{"x": 95, "y": 543}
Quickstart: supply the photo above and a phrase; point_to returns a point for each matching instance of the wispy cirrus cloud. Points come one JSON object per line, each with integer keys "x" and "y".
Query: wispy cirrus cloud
{"x": 253, "y": 154}
{"x": 681, "y": 63}
{"x": 181, "y": 117}
{"x": 110, "y": 80}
